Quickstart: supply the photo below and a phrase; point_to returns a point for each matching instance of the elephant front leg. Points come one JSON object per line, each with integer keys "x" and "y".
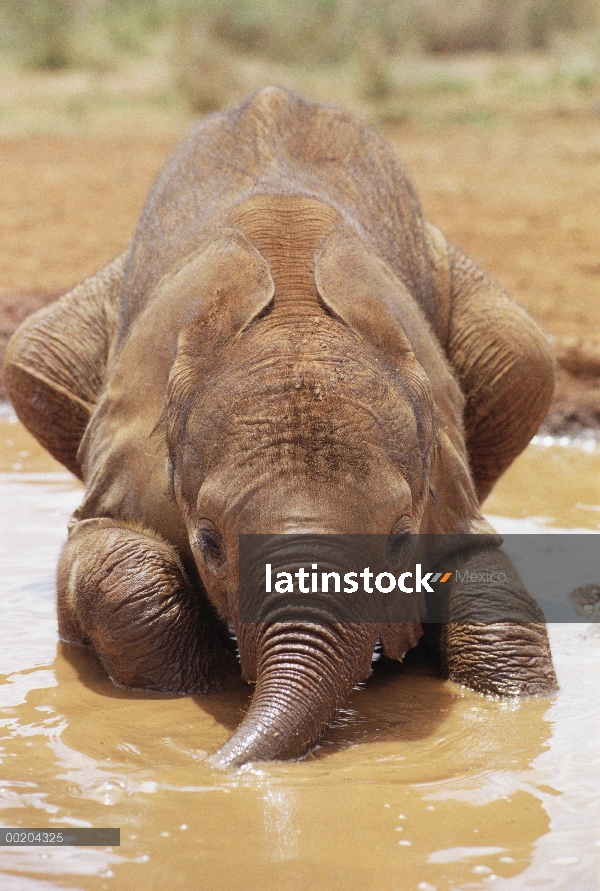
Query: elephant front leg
{"x": 126, "y": 593}
{"x": 495, "y": 640}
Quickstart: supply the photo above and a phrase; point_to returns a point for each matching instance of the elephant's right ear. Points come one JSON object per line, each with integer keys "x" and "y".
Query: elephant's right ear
{"x": 228, "y": 284}
{"x": 222, "y": 289}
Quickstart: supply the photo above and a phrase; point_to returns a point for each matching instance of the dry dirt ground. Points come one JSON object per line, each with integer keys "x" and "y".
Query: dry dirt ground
{"x": 522, "y": 198}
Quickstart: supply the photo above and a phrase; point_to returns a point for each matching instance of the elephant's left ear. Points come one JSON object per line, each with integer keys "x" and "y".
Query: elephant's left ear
{"x": 358, "y": 288}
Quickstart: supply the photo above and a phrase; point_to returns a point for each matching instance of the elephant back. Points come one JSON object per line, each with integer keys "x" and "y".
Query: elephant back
{"x": 278, "y": 142}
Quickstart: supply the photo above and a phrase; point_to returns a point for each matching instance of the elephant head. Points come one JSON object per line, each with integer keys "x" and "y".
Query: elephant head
{"x": 299, "y": 405}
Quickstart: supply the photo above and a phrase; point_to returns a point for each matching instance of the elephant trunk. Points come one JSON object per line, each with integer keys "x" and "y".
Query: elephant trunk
{"x": 304, "y": 673}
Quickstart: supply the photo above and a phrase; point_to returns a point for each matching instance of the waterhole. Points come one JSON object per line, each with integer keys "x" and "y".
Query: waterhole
{"x": 420, "y": 785}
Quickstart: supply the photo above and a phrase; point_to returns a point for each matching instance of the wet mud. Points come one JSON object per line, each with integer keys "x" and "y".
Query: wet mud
{"x": 420, "y": 784}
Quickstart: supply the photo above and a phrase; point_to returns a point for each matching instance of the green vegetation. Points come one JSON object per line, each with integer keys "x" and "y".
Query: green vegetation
{"x": 61, "y": 33}
{"x": 392, "y": 59}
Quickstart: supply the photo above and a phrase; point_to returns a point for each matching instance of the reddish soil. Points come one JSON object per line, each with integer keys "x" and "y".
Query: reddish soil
{"x": 521, "y": 198}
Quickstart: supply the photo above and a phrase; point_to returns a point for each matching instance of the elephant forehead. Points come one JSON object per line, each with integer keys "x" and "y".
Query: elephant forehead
{"x": 315, "y": 364}
{"x": 282, "y": 502}
{"x": 320, "y": 419}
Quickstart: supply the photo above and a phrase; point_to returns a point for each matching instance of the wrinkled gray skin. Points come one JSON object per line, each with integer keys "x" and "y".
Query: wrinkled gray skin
{"x": 287, "y": 346}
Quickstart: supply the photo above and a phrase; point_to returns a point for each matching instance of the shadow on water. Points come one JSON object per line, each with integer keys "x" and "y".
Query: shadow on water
{"x": 361, "y": 721}
{"x": 398, "y": 703}
{"x": 227, "y": 707}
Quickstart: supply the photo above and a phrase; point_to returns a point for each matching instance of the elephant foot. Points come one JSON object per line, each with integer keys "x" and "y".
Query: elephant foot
{"x": 126, "y": 593}
{"x": 495, "y": 640}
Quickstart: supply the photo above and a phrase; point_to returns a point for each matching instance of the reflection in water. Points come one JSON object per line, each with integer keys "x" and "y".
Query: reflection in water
{"x": 420, "y": 785}
{"x": 281, "y": 830}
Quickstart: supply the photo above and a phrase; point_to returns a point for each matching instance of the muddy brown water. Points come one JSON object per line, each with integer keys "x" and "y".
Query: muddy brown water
{"x": 420, "y": 785}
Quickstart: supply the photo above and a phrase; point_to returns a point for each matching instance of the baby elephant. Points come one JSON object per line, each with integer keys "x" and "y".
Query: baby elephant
{"x": 286, "y": 346}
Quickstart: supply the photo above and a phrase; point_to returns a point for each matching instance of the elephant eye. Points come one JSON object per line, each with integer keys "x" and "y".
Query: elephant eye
{"x": 210, "y": 546}
{"x": 399, "y": 548}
